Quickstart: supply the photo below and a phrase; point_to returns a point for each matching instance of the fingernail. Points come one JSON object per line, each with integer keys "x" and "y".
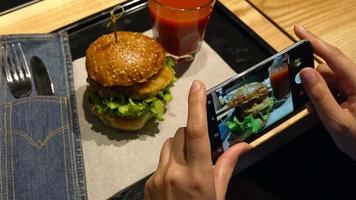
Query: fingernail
{"x": 308, "y": 76}
{"x": 301, "y": 28}
{"x": 196, "y": 85}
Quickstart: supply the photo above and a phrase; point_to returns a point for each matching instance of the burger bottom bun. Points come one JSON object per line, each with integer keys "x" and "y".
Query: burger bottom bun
{"x": 123, "y": 123}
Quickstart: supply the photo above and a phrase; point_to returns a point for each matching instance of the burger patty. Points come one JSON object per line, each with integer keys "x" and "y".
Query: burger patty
{"x": 254, "y": 108}
{"x": 152, "y": 87}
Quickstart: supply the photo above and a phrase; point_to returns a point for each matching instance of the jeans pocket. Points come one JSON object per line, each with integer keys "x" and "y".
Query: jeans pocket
{"x": 38, "y": 162}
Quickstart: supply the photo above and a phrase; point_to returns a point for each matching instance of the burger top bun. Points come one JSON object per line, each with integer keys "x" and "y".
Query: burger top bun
{"x": 133, "y": 59}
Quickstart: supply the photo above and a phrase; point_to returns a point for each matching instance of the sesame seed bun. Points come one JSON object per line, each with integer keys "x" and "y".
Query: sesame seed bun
{"x": 134, "y": 59}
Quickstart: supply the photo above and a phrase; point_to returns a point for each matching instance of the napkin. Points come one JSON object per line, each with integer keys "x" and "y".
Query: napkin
{"x": 40, "y": 146}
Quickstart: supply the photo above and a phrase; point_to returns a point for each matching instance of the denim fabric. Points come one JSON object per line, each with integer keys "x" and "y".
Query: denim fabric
{"x": 40, "y": 146}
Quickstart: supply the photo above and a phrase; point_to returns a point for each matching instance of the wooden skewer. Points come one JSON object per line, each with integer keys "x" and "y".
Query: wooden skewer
{"x": 115, "y": 18}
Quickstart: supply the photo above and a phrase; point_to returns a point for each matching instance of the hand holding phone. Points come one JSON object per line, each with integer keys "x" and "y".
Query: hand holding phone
{"x": 337, "y": 76}
{"x": 250, "y": 104}
{"x": 185, "y": 170}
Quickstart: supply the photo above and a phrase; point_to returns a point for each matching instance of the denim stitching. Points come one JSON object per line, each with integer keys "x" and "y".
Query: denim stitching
{"x": 70, "y": 137}
{"x": 37, "y": 98}
{"x": 5, "y": 147}
{"x": 39, "y": 144}
{"x": 25, "y": 38}
{"x": 71, "y": 121}
{"x": 2, "y": 92}
{"x": 12, "y": 157}
{"x": 3, "y": 95}
{"x": 77, "y": 151}
{"x": 5, "y": 153}
{"x": 73, "y": 161}
{"x": 72, "y": 144}
{"x": 64, "y": 153}
{"x": 50, "y": 134}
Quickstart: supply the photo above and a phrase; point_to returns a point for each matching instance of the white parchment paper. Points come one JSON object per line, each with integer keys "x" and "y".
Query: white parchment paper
{"x": 114, "y": 160}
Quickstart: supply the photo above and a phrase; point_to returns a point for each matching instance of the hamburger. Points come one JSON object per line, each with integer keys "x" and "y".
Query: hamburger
{"x": 129, "y": 81}
{"x": 252, "y": 108}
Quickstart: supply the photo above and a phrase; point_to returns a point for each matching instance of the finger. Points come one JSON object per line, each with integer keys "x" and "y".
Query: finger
{"x": 151, "y": 187}
{"x": 310, "y": 107}
{"x": 178, "y": 153}
{"x": 165, "y": 153}
{"x": 332, "y": 81}
{"x": 147, "y": 191}
{"x": 146, "y": 195}
{"x": 155, "y": 182}
{"x": 337, "y": 61}
{"x": 225, "y": 166}
{"x": 329, "y": 111}
{"x": 328, "y": 75}
{"x": 196, "y": 136}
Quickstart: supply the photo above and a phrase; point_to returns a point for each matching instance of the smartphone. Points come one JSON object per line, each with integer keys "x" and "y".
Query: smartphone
{"x": 250, "y": 104}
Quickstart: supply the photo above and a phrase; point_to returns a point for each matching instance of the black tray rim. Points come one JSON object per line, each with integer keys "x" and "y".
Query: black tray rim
{"x": 136, "y": 5}
{"x": 129, "y": 6}
{"x": 19, "y": 7}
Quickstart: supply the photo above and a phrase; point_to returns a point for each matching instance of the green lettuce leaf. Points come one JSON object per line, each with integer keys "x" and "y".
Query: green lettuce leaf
{"x": 166, "y": 96}
{"x": 122, "y": 106}
{"x": 249, "y": 123}
{"x": 235, "y": 125}
{"x": 252, "y": 124}
{"x": 157, "y": 109}
{"x": 119, "y": 105}
{"x": 170, "y": 62}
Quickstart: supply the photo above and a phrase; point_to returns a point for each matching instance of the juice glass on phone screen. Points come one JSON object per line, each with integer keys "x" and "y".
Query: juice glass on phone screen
{"x": 179, "y": 25}
{"x": 279, "y": 77}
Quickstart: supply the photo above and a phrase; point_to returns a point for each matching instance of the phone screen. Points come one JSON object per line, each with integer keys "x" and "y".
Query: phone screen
{"x": 250, "y": 104}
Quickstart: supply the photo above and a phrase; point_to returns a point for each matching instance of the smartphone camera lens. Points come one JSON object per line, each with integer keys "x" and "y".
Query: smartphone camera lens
{"x": 298, "y": 62}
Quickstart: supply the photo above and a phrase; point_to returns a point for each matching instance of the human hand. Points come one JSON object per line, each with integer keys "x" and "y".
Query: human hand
{"x": 339, "y": 73}
{"x": 185, "y": 169}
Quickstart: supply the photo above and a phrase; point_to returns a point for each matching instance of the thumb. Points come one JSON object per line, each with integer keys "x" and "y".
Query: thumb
{"x": 225, "y": 166}
{"x": 324, "y": 103}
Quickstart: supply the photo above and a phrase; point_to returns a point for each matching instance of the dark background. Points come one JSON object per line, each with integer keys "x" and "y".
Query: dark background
{"x": 308, "y": 167}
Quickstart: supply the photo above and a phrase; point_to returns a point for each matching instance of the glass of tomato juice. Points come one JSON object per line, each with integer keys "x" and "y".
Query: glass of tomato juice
{"x": 179, "y": 25}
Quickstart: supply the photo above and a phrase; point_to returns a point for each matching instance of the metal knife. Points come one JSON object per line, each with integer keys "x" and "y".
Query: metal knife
{"x": 41, "y": 77}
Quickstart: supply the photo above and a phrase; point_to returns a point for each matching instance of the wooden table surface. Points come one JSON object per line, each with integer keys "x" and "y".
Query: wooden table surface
{"x": 332, "y": 20}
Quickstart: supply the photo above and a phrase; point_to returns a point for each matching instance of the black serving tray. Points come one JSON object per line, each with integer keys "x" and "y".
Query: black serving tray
{"x": 234, "y": 41}
{"x": 7, "y": 6}
{"x": 308, "y": 167}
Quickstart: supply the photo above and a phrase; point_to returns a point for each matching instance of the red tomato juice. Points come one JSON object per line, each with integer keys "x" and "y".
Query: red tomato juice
{"x": 280, "y": 83}
{"x": 178, "y": 25}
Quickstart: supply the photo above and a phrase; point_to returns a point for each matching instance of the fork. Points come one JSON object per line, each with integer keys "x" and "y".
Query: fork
{"x": 16, "y": 70}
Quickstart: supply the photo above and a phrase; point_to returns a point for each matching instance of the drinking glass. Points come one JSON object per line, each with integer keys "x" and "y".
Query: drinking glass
{"x": 179, "y": 25}
{"x": 279, "y": 77}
